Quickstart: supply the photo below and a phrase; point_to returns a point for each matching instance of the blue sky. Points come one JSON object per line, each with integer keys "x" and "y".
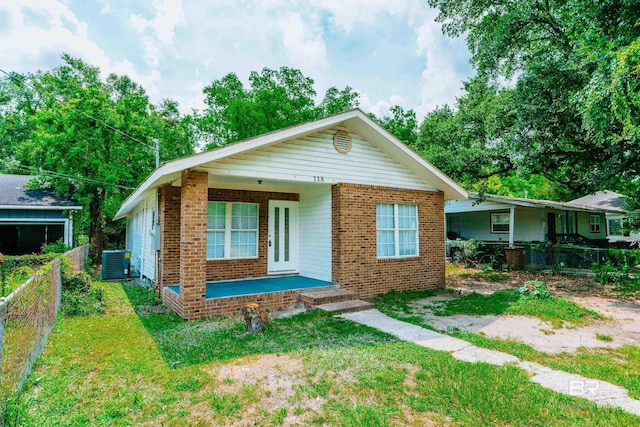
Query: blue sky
{"x": 390, "y": 51}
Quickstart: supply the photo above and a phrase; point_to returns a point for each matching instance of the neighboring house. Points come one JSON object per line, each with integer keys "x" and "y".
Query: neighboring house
{"x": 31, "y": 218}
{"x": 617, "y": 214}
{"x": 334, "y": 201}
{"x": 501, "y": 219}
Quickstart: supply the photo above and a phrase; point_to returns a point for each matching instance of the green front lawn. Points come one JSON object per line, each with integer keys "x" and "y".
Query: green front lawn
{"x": 135, "y": 366}
{"x": 617, "y": 365}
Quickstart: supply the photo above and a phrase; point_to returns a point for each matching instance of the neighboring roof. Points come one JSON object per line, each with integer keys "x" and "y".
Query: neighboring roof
{"x": 606, "y": 199}
{"x": 14, "y": 195}
{"x": 355, "y": 119}
{"x": 533, "y": 203}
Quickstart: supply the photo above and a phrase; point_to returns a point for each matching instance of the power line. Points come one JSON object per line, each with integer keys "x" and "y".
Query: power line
{"x": 25, "y": 83}
{"x": 53, "y": 174}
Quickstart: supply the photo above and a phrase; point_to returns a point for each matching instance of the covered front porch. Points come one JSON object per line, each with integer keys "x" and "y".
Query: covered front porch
{"x": 228, "y": 241}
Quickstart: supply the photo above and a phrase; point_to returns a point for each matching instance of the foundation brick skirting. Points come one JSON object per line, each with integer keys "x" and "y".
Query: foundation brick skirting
{"x": 355, "y": 264}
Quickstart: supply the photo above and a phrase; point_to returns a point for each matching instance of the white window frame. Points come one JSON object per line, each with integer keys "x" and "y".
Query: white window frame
{"x": 228, "y": 229}
{"x": 493, "y": 222}
{"x": 594, "y": 227}
{"x": 396, "y": 231}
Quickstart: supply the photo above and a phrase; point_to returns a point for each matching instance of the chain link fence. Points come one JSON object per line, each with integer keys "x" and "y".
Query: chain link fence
{"x": 27, "y": 317}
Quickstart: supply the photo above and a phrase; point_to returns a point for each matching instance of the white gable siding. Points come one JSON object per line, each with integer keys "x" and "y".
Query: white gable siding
{"x": 314, "y": 158}
{"x": 315, "y": 232}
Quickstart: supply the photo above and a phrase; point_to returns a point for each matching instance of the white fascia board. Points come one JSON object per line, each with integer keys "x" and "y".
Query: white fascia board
{"x": 41, "y": 208}
{"x": 451, "y": 207}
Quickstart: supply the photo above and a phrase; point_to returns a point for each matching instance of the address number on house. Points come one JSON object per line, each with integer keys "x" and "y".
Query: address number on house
{"x": 318, "y": 179}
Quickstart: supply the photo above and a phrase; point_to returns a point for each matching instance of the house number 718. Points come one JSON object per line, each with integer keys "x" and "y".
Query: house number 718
{"x": 318, "y": 179}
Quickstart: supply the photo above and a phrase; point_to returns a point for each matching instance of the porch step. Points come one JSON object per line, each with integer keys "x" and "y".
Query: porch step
{"x": 315, "y": 298}
{"x": 345, "y": 306}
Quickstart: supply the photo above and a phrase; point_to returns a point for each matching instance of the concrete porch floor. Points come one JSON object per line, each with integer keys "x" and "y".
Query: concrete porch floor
{"x": 259, "y": 286}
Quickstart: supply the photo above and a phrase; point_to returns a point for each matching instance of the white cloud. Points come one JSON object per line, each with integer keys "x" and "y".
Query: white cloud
{"x": 381, "y": 108}
{"x": 303, "y": 45}
{"x": 174, "y": 48}
{"x": 348, "y": 14}
{"x": 27, "y": 45}
{"x": 159, "y": 31}
{"x": 440, "y": 81}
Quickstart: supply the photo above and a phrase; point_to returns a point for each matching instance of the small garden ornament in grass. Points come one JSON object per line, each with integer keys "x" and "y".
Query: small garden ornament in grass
{"x": 255, "y": 319}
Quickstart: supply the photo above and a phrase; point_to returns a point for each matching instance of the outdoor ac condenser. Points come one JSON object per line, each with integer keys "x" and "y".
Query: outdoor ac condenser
{"x": 115, "y": 264}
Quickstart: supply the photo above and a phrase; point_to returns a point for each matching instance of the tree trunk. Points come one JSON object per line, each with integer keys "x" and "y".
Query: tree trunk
{"x": 96, "y": 230}
{"x": 255, "y": 319}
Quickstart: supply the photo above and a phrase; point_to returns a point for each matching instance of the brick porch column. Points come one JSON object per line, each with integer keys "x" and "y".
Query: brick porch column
{"x": 169, "y": 219}
{"x": 193, "y": 243}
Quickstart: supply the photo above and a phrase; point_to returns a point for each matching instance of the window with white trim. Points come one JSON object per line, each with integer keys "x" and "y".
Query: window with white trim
{"x": 594, "y": 223}
{"x": 397, "y": 230}
{"x": 232, "y": 230}
{"x": 500, "y": 222}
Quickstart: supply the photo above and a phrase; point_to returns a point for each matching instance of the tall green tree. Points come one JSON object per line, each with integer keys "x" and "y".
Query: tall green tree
{"x": 402, "y": 124}
{"x": 275, "y": 99}
{"x": 17, "y": 105}
{"x": 470, "y": 143}
{"x": 574, "y": 66}
{"x": 99, "y": 131}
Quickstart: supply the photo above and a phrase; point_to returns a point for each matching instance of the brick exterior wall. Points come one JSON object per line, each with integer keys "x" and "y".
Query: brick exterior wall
{"x": 193, "y": 243}
{"x": 244, "y": 268}
{"x": 354, "y": 260}
{"x": 169, "y": 220}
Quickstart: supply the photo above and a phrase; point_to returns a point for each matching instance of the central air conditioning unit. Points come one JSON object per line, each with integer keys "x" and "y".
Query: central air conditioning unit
{"x": 115, "y": 264}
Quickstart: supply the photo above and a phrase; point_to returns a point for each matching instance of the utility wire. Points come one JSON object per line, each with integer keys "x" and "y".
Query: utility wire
{"x": 24, "y": 168}
{"x": 25, "y": 83}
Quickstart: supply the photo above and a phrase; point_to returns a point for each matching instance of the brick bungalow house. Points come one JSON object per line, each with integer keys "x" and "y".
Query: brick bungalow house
{"x": 334, "y": 202}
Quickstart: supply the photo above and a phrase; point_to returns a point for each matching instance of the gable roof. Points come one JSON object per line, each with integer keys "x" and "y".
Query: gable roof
{"x": 541, "y": 204}
{"x": 15, "y": 195}
{"x": 606, "y": 199}
{"x": 354, "y": 119}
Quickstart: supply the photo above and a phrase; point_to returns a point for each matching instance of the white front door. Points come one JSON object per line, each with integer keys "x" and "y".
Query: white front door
{"x": 283, "y": 236}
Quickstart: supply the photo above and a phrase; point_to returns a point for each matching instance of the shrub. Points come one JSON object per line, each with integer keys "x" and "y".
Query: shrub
{"x": 534, "y": 289}
{"x": 79, "y": 298}
{"x": 58, "y": 247}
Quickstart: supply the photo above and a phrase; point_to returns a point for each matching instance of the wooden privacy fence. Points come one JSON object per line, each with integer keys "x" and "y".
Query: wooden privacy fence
{"x": 27, "y": 316}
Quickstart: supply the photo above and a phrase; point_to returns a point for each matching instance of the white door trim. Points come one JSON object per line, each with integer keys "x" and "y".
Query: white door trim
{"x": 283, "y": 255}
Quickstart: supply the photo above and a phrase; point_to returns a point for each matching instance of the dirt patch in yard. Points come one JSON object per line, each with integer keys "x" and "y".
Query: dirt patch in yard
{"x": 620, "y": 324}
{"x": 276, "y": 379}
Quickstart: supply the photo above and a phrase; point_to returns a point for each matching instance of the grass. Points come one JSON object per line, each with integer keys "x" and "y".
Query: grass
{"x": 488, "y": 275}
{"x": 128, "y": 368}
{"x": 556, "y": 310}
{"x": 617, "y": 365}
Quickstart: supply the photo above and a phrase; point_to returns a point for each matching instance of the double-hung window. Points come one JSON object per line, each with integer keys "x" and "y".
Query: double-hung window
{"x": 594, "y": 223}
{"x": 500, "y": 222}
{"x": 232, "y": 230}
{"x": 397, "y": 230}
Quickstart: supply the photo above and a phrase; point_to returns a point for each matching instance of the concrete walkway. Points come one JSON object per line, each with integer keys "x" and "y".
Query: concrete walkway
{"x": 600, "y": 392}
